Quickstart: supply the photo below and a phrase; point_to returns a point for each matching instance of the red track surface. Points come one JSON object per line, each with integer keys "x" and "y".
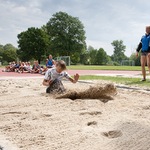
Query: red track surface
{"x": 72, "y": 72}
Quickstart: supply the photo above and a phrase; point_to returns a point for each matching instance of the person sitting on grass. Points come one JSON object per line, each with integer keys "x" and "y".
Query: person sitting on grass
{"x": 54, "y": 76}
{"x": 36, "y": 67}
{"x": 44, "y": 69}
{"x": 21, "y": 67}
{"x": 27, "y": 68}
{"x": 8, "y": 68}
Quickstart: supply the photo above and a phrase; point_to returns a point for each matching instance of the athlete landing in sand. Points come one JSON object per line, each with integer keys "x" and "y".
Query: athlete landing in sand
{"x": 54, "y": 76}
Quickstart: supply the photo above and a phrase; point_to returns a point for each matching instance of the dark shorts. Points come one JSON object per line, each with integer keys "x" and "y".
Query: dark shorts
{"x": 144, "y": 53}
{"x": 55, "y": 87}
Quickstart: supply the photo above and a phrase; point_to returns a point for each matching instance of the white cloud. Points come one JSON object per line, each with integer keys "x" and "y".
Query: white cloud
{"x": 104, "y": 21}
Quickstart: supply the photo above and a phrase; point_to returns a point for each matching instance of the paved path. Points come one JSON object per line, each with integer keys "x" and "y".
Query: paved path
{"x": 72, "y": 72}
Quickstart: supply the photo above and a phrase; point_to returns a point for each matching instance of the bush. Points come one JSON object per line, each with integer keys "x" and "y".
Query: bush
{"x": 116, "y": 63}
{"x": 5, "y": 63}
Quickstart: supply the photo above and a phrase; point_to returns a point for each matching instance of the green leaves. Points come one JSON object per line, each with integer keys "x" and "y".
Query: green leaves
{"x": 8, "y": 53}
{"x": 119, "y": 50}
{"x": 33, "y": 43}
{"x": 67, "y": 34}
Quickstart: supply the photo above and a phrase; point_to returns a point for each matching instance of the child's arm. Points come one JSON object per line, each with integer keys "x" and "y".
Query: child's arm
{"x": 76, "y": 78}
{"x": 47, "y": 82}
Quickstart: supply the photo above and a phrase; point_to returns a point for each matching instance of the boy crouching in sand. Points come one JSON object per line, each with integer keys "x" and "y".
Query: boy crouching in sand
{"x": 54, "y": 76}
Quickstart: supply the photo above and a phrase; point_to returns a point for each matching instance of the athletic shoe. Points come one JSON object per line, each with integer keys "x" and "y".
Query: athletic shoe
{"x": 143, "y": 80}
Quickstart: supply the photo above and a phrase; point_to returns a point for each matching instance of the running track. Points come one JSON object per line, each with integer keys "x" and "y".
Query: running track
{"x": 72, "y": 72}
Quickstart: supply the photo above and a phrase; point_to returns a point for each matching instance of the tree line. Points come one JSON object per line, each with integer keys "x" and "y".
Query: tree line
{"x": 62, "y": 35}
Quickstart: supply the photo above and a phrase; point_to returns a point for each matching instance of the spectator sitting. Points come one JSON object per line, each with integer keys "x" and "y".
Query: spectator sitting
{"x": 36, "y": 67}
{"x": 7, "y": 68}
{"x": 16, "y": 66}
{"x": 21, "y": 67}
{"x": 44, "y": 69}
{"x": 28, "y": 67}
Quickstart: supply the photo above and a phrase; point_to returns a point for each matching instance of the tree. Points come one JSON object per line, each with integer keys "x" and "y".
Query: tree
{"x": 101, "y": 57}
{"x": 1, "y": 52}
{"x": 92, "y": 54}
{"x": 33, "y": 44}
{"x": 85, "y": 58}
{"x": 135, "y": 59}
{"x": 67, "y": 34}
{"x": 119, "y": 50}
{"x": 9, "y": 53}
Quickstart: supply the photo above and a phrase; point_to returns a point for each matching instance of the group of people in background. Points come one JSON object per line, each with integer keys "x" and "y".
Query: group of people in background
{"x": 26, "y": 67}
{"x": 54, "y": 72}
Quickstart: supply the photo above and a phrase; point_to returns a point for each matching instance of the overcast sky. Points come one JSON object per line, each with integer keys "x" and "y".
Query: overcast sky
{"x": 104, "y": 21}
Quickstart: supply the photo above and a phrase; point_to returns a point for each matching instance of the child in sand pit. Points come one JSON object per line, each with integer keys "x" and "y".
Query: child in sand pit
{"x": 54, "y": 76}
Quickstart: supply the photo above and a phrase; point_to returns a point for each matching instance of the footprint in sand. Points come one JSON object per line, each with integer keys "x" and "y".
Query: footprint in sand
{"x": 91, "y": 113}
{"x": 36, "y": 89}
{"x": 92, "y": 123}
{"x": 4, "y": 91}
{"x": 112, "y": 134}
{"x": 12, "y": 112}
{"x": 146, "y": 107}
{"x": 46, "y": 115}
{"x": 18, "y": 86}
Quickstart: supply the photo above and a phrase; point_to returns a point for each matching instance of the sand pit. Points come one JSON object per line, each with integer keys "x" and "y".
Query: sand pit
{"x": 30, "y": 119}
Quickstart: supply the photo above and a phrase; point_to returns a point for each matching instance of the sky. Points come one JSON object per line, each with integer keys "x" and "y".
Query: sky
{"x": 104, "y": 21}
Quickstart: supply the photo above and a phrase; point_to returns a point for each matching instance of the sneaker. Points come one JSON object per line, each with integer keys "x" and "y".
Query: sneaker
{"x": 143, "y": 80}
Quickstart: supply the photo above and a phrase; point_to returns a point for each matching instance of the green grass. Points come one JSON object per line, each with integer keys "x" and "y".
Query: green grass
{"x": 98, "y": 67}
{"x": 122, "y": 80}
{"x": 94, "y": 67}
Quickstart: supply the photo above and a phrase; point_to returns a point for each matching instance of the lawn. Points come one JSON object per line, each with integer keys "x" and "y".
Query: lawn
{"x": 98, "y": 67}
{"x": 121, "y": 80}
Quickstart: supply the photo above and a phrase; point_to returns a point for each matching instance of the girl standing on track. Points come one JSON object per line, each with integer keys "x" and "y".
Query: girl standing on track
{"x": 144, "y": 46}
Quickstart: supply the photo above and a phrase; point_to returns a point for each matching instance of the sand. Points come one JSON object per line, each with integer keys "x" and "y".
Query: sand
{"x": 30, "y": 119}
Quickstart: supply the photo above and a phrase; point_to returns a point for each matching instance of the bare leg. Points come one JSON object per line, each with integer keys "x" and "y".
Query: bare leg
{"x": 148, "y": 62}
{"x": 143, "y": 62}
{"x": 56, "y": 86}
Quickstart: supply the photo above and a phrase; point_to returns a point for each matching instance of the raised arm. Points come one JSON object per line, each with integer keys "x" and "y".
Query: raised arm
{"x": 75, "y": 79}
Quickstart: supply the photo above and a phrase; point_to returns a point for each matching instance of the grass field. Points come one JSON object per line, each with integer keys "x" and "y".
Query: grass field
{"x": 122, "y": 80}
{"x": 94, "y": 67}
{"x": 98, "y": 67}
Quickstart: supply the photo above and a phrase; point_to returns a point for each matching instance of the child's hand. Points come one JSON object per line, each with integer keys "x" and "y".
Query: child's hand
{"x": 50, "y": 81}
{"x": 76, "y": 77}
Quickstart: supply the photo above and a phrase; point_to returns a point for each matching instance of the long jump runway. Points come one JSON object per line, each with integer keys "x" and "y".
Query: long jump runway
{"x": 4, "y": 75}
